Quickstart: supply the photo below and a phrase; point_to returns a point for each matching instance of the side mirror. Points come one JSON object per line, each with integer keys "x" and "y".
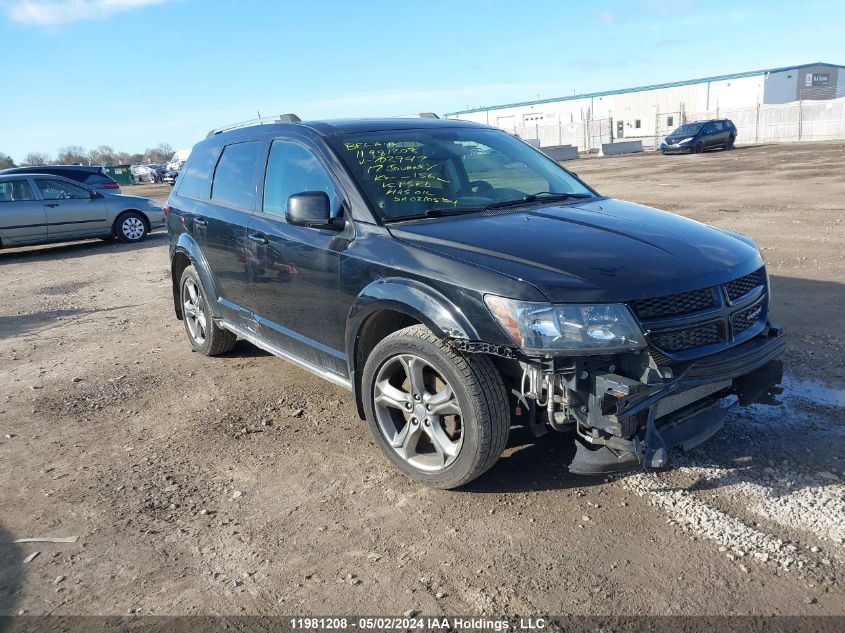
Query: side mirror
{"x": 311, "y": 209}
{"x": 96, "y": 194}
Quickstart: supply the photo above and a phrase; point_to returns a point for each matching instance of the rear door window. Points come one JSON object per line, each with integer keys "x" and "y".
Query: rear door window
{"x": 15, "y": 191}
{"x": 233, "y": 178}
{"x": 196, "y": 181}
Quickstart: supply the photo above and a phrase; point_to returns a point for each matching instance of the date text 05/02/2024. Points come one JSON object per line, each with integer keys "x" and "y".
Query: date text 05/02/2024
{"x": 411, "y": 623}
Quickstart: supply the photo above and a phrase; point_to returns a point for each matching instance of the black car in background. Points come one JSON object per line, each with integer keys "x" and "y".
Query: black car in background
{"x": 92, "y": 177}
{"x": 698, "y": 136}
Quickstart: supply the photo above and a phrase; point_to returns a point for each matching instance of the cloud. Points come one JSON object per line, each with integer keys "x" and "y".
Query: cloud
{"x": 607, "y": 18}
{"x": 55, "y": 12}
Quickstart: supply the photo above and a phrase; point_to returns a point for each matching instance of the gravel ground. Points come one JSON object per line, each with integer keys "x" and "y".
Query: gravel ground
{"x": 242, "y": 485}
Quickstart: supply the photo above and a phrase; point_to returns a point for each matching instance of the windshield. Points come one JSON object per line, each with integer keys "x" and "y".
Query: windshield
{"x": 409, "y": 172}
{"x": 689, "y": 129}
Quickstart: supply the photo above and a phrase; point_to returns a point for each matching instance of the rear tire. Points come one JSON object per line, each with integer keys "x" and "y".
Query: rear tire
{"x": 730, "y": 144}
{"x": 441, "y": 417}
{"x": 203, "y": 333}
{"x": 131, "y": 227}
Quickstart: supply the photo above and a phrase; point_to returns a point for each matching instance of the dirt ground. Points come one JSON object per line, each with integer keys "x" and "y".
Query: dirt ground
{"x": 243, "y": 485}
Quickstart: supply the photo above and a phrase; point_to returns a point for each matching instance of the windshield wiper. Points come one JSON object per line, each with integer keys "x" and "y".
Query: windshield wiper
{"x": 534, "y": 197}
{"x": 433, "y": 213}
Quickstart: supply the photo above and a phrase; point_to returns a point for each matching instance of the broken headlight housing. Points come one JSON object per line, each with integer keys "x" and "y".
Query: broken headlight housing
{"x": 571, "y": 328}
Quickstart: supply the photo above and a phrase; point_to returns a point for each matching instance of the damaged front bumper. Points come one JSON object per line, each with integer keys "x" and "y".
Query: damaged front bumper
{"x": 623, "y": 422}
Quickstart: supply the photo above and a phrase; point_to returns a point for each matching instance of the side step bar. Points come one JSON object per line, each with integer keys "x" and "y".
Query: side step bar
{"x": 325, "y": 374}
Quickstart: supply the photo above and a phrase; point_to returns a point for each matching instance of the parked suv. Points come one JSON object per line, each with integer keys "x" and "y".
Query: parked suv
{"x": 699, "y": 136}
{"x": 458, "y": 281}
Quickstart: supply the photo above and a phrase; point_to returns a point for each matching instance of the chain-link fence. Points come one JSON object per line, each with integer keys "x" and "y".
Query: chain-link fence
{"x": 586, "y": 135}
{"x": 807, "y": 120}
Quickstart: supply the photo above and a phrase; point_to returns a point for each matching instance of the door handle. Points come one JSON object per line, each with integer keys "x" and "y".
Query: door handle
{"x": 258, "y": 238}
{"x": 53, "y": 205}
{"x": 200, "y": 221}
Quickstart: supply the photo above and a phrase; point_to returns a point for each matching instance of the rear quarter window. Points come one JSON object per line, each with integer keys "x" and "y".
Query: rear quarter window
{"x": 233, "y": 183}
{"x": 93, "y": 179}
{"x": 195, "y": 177}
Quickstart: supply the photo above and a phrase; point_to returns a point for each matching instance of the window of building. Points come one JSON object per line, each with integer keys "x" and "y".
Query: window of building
{"x": 15, "y": 191}
{"x": 532, "y": 118}
{"x": 233, "y": 176}
{"x": 637, "y": 123}
{"x": 670, "y": 121}
{"x": 195, "y": 182}
{"x": 291, "y": 169}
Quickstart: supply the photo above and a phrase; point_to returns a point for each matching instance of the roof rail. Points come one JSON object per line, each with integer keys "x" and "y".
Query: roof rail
{"x": 428, "y": 115}
{"x": 280, "y": 118}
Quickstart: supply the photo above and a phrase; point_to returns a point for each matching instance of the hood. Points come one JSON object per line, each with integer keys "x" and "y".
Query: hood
{"x": 138, "y": 202}
{"x": 674, "y": 138}
{"x": 601, "y": 250}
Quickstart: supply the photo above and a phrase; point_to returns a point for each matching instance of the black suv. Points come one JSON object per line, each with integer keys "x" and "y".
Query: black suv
{"x": 699, "y": 136}
{"x": 92, "y": 177}
{"x": 458, "y": 282}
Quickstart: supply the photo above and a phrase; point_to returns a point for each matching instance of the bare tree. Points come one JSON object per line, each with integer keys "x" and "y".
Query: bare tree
{"x": 103, "y": 155}
{"x": 36, "y": 158}
{"x": 161, "y": 153}
{"x": 72, "y": 154}
{"x": 6, "y": 161}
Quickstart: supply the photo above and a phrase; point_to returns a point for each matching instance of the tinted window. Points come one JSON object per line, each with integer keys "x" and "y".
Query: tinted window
{"x": 60, "y": 190}
{"x": 233, "y": 176}
{"x": 93, "y": 179}
{"x": 196, "y": 181}
{"x": 292, "y": 169}
{"x": 15, "y": 191}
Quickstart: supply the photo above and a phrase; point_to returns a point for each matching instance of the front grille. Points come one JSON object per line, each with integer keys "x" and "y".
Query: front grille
{"x": 742, "y": 286}
{"x": 743, "y": 320}
{"x": 674, "y": 322}
{"x": 697, "y": 336}
{"x": 674, "y": 305}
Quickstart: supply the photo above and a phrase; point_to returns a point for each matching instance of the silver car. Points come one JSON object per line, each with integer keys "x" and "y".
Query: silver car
{"x": 41, "y": 208}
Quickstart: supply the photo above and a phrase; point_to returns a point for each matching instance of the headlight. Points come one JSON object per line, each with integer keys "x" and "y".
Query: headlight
{"x": 685, "y": 140}
{"x": 578, "y": 329}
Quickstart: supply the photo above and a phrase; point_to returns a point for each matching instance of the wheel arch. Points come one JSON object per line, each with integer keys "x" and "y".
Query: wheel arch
{"x": 388, "y": 305}
{"x": 186, "y": 252}
{"x": 122, "y": 213}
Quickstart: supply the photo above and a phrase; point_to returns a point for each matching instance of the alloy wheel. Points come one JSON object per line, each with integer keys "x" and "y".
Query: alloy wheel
{"x": 193, "y": 310}
{"x": 418, "y": 412}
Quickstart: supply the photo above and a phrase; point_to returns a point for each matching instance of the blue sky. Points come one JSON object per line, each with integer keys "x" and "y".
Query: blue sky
{"x": 133, "y": 73}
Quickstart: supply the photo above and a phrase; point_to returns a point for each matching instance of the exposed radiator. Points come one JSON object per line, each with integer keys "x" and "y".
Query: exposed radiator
{"x": 677, "y": 401}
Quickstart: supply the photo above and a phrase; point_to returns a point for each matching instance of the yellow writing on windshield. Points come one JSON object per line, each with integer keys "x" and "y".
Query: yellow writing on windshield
{"x": 401, "y": 172}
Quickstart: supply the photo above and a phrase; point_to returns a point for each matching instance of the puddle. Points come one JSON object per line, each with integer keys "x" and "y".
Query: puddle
{"x": 813, "y": 390}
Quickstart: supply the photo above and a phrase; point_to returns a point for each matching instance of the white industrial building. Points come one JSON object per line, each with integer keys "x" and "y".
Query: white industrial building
{"x": 650, "y": 111}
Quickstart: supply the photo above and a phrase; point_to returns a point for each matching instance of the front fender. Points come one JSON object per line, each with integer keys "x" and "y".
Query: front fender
{"x": 186, "y": 245}
{"x": 425, "y": 304}
{"x": 406, "y": 296}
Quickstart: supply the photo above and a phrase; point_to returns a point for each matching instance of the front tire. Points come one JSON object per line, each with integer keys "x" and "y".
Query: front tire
{"x": 131, "y": 227}
{"x": 203, "y": 333}
{"x": 441, "y": 417}
{"x": 699, "y": 147}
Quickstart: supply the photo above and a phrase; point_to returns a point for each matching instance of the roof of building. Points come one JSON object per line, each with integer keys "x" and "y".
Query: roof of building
{"x": 671, "y": 84}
